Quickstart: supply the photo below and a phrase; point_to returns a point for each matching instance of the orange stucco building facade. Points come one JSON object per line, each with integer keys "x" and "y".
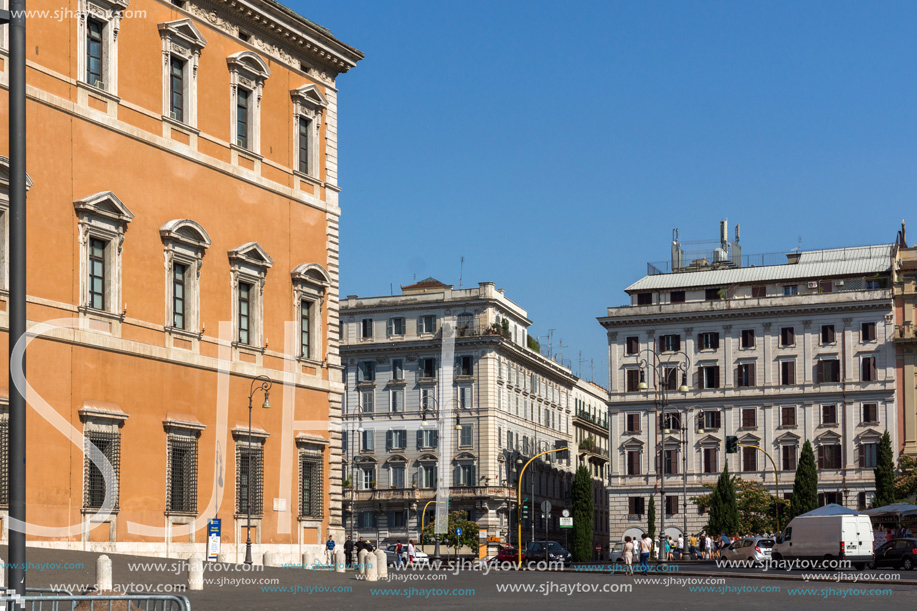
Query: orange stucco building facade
{"x": 183, "y": 240}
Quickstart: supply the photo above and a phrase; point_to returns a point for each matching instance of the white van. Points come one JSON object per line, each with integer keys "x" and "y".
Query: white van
{"x": 832, "y": 537}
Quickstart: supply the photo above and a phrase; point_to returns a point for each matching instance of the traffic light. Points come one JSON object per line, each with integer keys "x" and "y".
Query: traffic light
{"x": 732, "y": 444}
{"x": 565, "y": 453}
{"x": 525, "y": 510}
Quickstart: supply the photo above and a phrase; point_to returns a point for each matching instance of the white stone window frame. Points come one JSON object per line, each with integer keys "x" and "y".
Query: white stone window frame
{"x": 185, "y": 243}
{"x": 4, "y": 35}
{"x": 105, "y": 217}
{"x": 182, "y": 39}
{"x": 108, "y": 12}
{"x": 310, "y": 284}
{"x": 181, "y": 430}
{"x": 101, "y": 418}
{"x": 5, "y": 216}
{"x": 249, "y": 71}
{"x": 249, "y": 264}
{"x": 309, "y": 103}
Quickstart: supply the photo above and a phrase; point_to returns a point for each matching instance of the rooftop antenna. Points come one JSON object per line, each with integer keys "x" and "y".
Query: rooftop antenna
{"x": 461, "y": 271}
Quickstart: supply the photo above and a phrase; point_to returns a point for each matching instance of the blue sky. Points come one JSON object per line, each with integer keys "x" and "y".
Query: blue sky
{"x": 556, "y": 145}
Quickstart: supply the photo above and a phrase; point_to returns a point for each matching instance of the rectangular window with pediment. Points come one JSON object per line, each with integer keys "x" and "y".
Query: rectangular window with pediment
{"x": 181, "y": 47}
{"x": 97, "y": 44}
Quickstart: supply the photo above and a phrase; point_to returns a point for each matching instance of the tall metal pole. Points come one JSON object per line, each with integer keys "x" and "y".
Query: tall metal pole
{"x": 684, "y": 477}
{"x": 661, "y": 548}
{"x": 17, "y": 432}
{"x": 248, "y": 489}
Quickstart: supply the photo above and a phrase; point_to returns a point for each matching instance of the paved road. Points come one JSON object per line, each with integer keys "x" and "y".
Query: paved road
{"x": 298, "y": 588}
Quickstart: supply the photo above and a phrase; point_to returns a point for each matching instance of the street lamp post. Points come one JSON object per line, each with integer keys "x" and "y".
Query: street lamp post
{"x": 266, "y": 387}
{"x": 669, "y": 368}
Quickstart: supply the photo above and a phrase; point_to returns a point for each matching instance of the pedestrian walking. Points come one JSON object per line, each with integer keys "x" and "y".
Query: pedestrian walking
{"x": 692, "y": 547}
{"x": 329, "y": 549}
{"x": 398, "y": 549}
{"x": 646, "y": 547}
{"x": 628, "y": 556}
{"x": 348, "y": 552}
{"x": 412, "y": 551}
{"x": 681, "y": 546}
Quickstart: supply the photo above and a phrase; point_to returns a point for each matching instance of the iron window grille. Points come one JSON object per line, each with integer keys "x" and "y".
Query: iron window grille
{"x": 109, "y": 445}
{"x": 250, "y": 480}
{"x": 181, "y": 475}
{"x": 310, "y": 487}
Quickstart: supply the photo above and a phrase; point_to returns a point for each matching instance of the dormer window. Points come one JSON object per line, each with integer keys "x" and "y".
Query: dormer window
{"x": 308, "y": 104}
{"x": 247, "y": 73}
{"x": 248, "y": 266}
{"x": 181, "y": 49}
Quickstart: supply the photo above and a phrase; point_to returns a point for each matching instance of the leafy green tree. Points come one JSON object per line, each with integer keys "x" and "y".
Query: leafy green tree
{"x": 583, "y": 511}
{"x": 805, "y": 486}
{"x": 885, "y": 473}
{"x": 906, "y": 480}
{"x": 756, "y": 506}
{"x": 724, "y": 510}
{"x": 457, "y": 519}
{"x": 651, "y": 522}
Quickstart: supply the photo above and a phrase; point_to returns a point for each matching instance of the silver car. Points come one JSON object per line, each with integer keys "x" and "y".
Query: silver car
{"x": 754, "y": 550}
{"x": 616, "y": 553}
{"x": 419, "y": 556}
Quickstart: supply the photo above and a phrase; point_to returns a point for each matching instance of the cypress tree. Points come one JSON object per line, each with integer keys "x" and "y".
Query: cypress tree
{"x": 583, "y": 511}
{"x": 885, "y": 473}
{"x": 724, "y": 511}
{"x": 805, "y": 486}
{"x": 651, "y": 526}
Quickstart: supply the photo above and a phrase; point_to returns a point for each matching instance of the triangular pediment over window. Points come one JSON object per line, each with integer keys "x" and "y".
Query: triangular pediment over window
{"x": 251, "y": 253}
{"x": 787, "y": 438}
{"x": 709, "y": 439}
{"x": 634, "y": 443}
{"x": 185, "y": 31}
{"x": 869, "y": 435}
{"x": 828, "y": 437}
{"x": 750, "y": 440}
{"x": 310, "y": 95}
{"x": 105, "y": 204}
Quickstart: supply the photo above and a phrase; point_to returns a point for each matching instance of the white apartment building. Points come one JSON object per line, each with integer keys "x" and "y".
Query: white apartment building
{"x": 503, "y": 402}
{"x": 774, "y": 354}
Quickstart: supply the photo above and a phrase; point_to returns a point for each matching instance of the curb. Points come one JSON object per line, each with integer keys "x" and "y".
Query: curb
{"x": 769, "y": 575}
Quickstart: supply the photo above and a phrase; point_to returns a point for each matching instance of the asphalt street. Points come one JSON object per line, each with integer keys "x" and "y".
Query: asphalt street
{"x": 228, "y": 587}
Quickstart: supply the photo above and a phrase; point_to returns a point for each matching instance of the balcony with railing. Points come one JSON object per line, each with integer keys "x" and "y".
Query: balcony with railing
{"x": 600, "y": 420}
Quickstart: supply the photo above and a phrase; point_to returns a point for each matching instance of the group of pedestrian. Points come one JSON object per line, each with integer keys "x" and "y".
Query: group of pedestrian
{"x": 641, "y": 548}
{"x": 404, "y": 554}
{"x": 885, "y": 534}
{"x": 351, "y": 549}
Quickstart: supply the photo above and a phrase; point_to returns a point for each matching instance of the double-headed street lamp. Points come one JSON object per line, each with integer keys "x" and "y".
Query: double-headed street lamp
{"x": 664, "y": 378}
{"x": 266, "y": 387}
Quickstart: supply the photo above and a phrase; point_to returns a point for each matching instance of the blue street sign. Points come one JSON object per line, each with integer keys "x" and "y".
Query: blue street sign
{"x": 458, "y": 532}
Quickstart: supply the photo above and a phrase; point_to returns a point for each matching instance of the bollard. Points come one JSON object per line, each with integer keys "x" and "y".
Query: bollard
{"x": 382, "y": 562}
{"x": 196, "y": 573}
{"x": 340, "y": 561}
{"x": 269, "y": 559}
{"x": 361, "y": 562}
{"x": 103, "y": 573}
{"x": 306, "y": 560}
{"x": 372, "y": 567}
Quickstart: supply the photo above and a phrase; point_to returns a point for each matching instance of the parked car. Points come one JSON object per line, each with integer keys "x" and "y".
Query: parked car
{"x": 838, "y": 537}
{"x": 549, "y": 551}
{"x": 508, "y": 554}
{"x": 616, "y": 554}
{"x": 751, "y": 549}
{"x": 897, "y": 553}
{"x": 419, "y": 556}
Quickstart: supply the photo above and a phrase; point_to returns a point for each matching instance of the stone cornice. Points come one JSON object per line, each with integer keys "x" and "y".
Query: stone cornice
{"x": 636, "y": 316}
{"x": 280, "y": 33}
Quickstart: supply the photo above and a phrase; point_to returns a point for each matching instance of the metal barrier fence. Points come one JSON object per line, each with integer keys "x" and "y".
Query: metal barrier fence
{"x": 46, "y": 600}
